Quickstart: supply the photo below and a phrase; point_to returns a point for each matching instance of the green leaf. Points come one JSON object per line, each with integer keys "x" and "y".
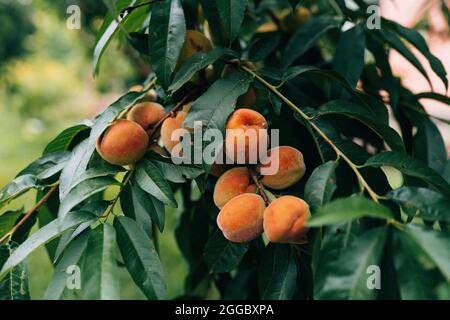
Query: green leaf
{"x": 422, "y": 203}
{"x": 17, "y": 187}
{"x": 354, "y": 111}
{"x": 429, "y": 146}
{"x": 321, "y": 185}
{"x": 263, "y": 44}
{"x": 231, "y": 14}
{"x": 167, "y": 32}
{"x": 433, "y": 96}
{"x": 15, "y": 285}
{"x": 47, "y": 166}
{"x": 141, "y": 258}
{"x": 418, "y": 41}
{"x": 349, "y": 58}
{"x": 63, "y": 141}
{"x": 72, "y": 257}
{"x": 83, "y": 191}
{"x": 8, "y": 221}
{"x": 82, "y": 154}
{"x": 177, "y": 173}
{"x": 347, "y": 209}
{"x": 277, "y": 274}
{"x": 99, "y": 271}
{"x": 433, "y": 243}
{"x": 395, "y": 42}
{"x": 222, "y": 95}
{"x": 211, "y": 13}
{"x": 142, "y": 207}
{"x": 410, "y": 167}
{"x": 222, "y": 255}
{"x": 407, "y": 262}
{"x": 151, "y": 180}
{"x": 347, "y": 277}
{"x": 101, "y": 170}
{"x": 371, "y": 104}
{"x": 112, "y": 24}
{"x": 306, "y": 36}
{"x": 44, "y": 235}
{"x": 198, "y": 62}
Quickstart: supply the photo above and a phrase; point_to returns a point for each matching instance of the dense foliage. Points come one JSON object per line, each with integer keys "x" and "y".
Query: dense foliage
{"x": 378, "y": 197}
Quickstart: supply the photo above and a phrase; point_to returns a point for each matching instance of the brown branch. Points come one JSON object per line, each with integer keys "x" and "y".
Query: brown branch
{"x": 259, "y": 185}
{"x": 274, "y": 18}
{"x": 41, "y": 202}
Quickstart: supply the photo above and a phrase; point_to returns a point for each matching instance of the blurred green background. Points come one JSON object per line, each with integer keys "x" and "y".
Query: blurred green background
{"x": 46, "y": 85}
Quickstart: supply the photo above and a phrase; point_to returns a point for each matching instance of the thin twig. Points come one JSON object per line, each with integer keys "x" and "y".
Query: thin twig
{"x": 259, "y": 185}
{"x": 41, "y": 202}
{"x": 116, "y": 199}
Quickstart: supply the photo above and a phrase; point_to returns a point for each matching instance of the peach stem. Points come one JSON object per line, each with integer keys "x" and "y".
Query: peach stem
{"x": 259, "y": 185}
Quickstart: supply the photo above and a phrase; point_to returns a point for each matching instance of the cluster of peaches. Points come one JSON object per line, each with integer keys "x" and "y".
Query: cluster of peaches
{"x": 240, "y": 194}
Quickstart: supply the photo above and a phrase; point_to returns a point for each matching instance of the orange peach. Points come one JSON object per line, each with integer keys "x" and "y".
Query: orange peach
{"x": 168, "y": 127}
{"x": 146, "y": 114}
{"x": 245, "y": 135}
{"x": 123, "y": 143}
{"x": 285, "y": 220}
{"x": 290, "y": 167}
{"x": 241, "y": 219}
{"x": 232, "y": 183}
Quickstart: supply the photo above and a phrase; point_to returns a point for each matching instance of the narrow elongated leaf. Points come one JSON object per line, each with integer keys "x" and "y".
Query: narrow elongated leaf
{"x": 47, "y": 166}
{"x": 198, "y": 62}
{"x": 433, "y": 96}
{"x": 82, "y": 192}
{"x": 231, "y": 14}
{"x": 343, "y": 210}
{"x": 8, "y": 221}
{"x": 99, "y": 171}
{"x": 222, "y": 95}
{"x": 418, "y": 41}
{"x": 143, "y": 207}
{"x": 306, "y": 36}
{"x": 395, "y": 42}
{"x": 15, "y": 285}
{"x": 407, "y": 263}
{"x": 349, "y": 58}
{"x": 422, "y": 203}
{"x": 410, "y": 167}
{"x": 44, "y": 235}
{"x": 263, "y": 45}
{"x": 150, "y": 179}
{"x": 321, "y": 185}
{"x": 429, "y": 146}
{"x": 277, "y": 274}
{"x": 99, "y": 271}
{"x": 166, "y": 37}
{"x": 177, "y": 173}
{"x": 347, "y": 277}
{"x": 17, "y": 187}
{"x": 140, "y": 258}
{"x": 222, "y": 255}
{"x": 434, "y": 243}
{"x": 211, "y": 13}
{"x": 112, "y": 24}
{"x": 63, "y": 141}
{"x": 354, "y": 111}
{"x": 71, "y": 257}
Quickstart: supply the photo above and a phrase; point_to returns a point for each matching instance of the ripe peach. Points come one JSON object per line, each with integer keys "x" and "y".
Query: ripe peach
{"x": 241, "y": 219}
{"x": 290, "y": 164}
{"x": 245, "y": 135}
{"x": 285, "y": 219}
{"x": 248, "y": 99}
{"x": 168, "y": 127}
{"x": 232, "y": 183}
{"x": 146, "y": 114}
{"x": 267, "y": 27}
{"x": 194, "y": 42}
{"x": 123, "y": 143}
